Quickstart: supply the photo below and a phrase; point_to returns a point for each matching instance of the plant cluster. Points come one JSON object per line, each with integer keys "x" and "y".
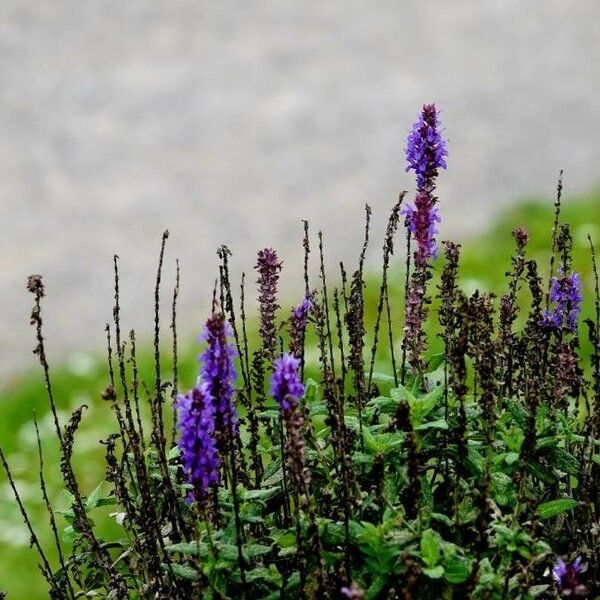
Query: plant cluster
{"x": 470, "y": 473}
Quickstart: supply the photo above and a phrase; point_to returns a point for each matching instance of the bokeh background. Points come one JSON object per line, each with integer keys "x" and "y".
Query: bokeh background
{"x": 229, "y": 122}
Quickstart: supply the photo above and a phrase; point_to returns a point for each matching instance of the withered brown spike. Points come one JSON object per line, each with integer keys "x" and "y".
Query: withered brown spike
{"x": 557, "y": 208}
{"x": 65, "y": 580}
{"x": 36, "y": 287}
{"x": 175, "y": 379}
{"x": 113, "y": 580}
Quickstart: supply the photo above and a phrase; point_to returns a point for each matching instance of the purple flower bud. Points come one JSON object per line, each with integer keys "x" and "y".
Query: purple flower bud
{"x": 218, "y": 371}
{"x": 354, "y": 592}
{"x": 565, "y": 292}
{"x": 568, "y": 578}
{"x": 298, "y": 323}
{"x": 196, "y": 425}
{"x": 286, "y": 386}
{"x": 426, "y": 149}
{"x": 302, "y": 311}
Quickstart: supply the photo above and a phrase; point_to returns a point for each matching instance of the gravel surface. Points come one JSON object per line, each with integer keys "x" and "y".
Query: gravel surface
{"x": 231, "y": 121}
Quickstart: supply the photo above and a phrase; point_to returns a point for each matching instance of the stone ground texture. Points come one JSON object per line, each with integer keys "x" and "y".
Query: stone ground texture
{"x": 231, "y": 121}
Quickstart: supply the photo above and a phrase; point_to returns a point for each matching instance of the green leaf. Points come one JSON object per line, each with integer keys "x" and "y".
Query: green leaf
{"x": 92, "y": 500}
{"x": 517, "y": 412}
{"x": 377, "y": 587}
{"x": 550, "y": 509}
{"x": 189, "y": 548}
{"x": 383, "y": 378}
{"x": 457, "y": 569}
{"x": 434, "y": 572}
{"x": 183, "y": 571}
{"x": 430, "y": 547}
{"x": 269, "y": 414}
{"x": 264, "y": 494}
{"x": 437, "y": 424}
{"x": 511, "y": 457}
{"x": 252, "y": 550}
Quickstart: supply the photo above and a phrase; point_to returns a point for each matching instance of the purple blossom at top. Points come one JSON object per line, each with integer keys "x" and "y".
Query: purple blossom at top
{"x": 426, "y": 149}
{"x": 298, "y": 323}
{"x": 286, "y": 386}
{"x": 565, "y": 292}
{"x": 196, "y": 425}
{"x": 302, "y": 310}
{"x": 421, "y": 223}
{"x": 218, "y": 371}
{"x": 568, "y": 578}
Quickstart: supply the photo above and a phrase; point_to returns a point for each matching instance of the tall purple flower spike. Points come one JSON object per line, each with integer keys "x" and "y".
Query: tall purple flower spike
{"x": 425, "y": 153}
{"x": 565, "y": 292}
{"x": 286, "y": 386}
{"x": 218, "y": 371}
{"x": 196, "y": 425}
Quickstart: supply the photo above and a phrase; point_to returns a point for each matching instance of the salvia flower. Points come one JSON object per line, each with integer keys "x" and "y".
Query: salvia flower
{"x": 565, "y": 293}
{"x": 218, "y": 371}
{"x": 286, "y": 386}
{"x": 426, "y": 149}
{"x": 298, "y": 323}
{"x": 568, "y": 578}
{"x": 196, "y": 425}
{"x": 421, "y": 221}
{"x": 302, "y": 311}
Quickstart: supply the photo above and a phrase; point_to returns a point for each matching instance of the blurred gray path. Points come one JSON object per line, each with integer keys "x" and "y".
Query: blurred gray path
{"x": 230, "y": 121}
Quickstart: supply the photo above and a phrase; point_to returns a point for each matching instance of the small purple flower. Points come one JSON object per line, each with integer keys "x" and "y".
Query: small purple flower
{"x": 286, "y": 386}
{"x": 196, "y": 425}
{"x": 426, "y": 149}
{"x": 567, "y": 577}
{"x": 218, "y": 371}
{"x": 354, "y": 592}
{"x": 565, "y": 292}
{"x": 302, "y": 311}
{"x": 298, "y": 323}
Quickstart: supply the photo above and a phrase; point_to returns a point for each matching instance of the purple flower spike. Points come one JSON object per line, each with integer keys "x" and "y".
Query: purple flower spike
{"x": 218, "y": 371}
{"x": 196, "y": 425}
{"x": 568, "y": 578}
{"x": 421, "y": 222}
{"x": 565, "y": 292}
{"x": 286, "y": 386}
{"x": 426, "y": 149}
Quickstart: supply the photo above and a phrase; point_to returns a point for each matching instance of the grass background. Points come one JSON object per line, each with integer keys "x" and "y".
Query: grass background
{"x": 81, "y": 379}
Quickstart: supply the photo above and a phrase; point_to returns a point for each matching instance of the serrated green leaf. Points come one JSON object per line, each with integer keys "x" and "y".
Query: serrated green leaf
{"x": 430, "y": 547}
{"x": 252, "y": 550}
{"x": 437, "y": 424}
{"x": 550, "y": 509}
{"x": 263, "y": 494}
{"x": 183, "y": 571}
{"x": 189, "y": 548}
{"x": 92, "y": 500}
{"x": 457, "y": 569}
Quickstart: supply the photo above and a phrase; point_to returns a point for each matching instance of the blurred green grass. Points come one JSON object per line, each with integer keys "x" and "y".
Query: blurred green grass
{"x": 81, "y": 379}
